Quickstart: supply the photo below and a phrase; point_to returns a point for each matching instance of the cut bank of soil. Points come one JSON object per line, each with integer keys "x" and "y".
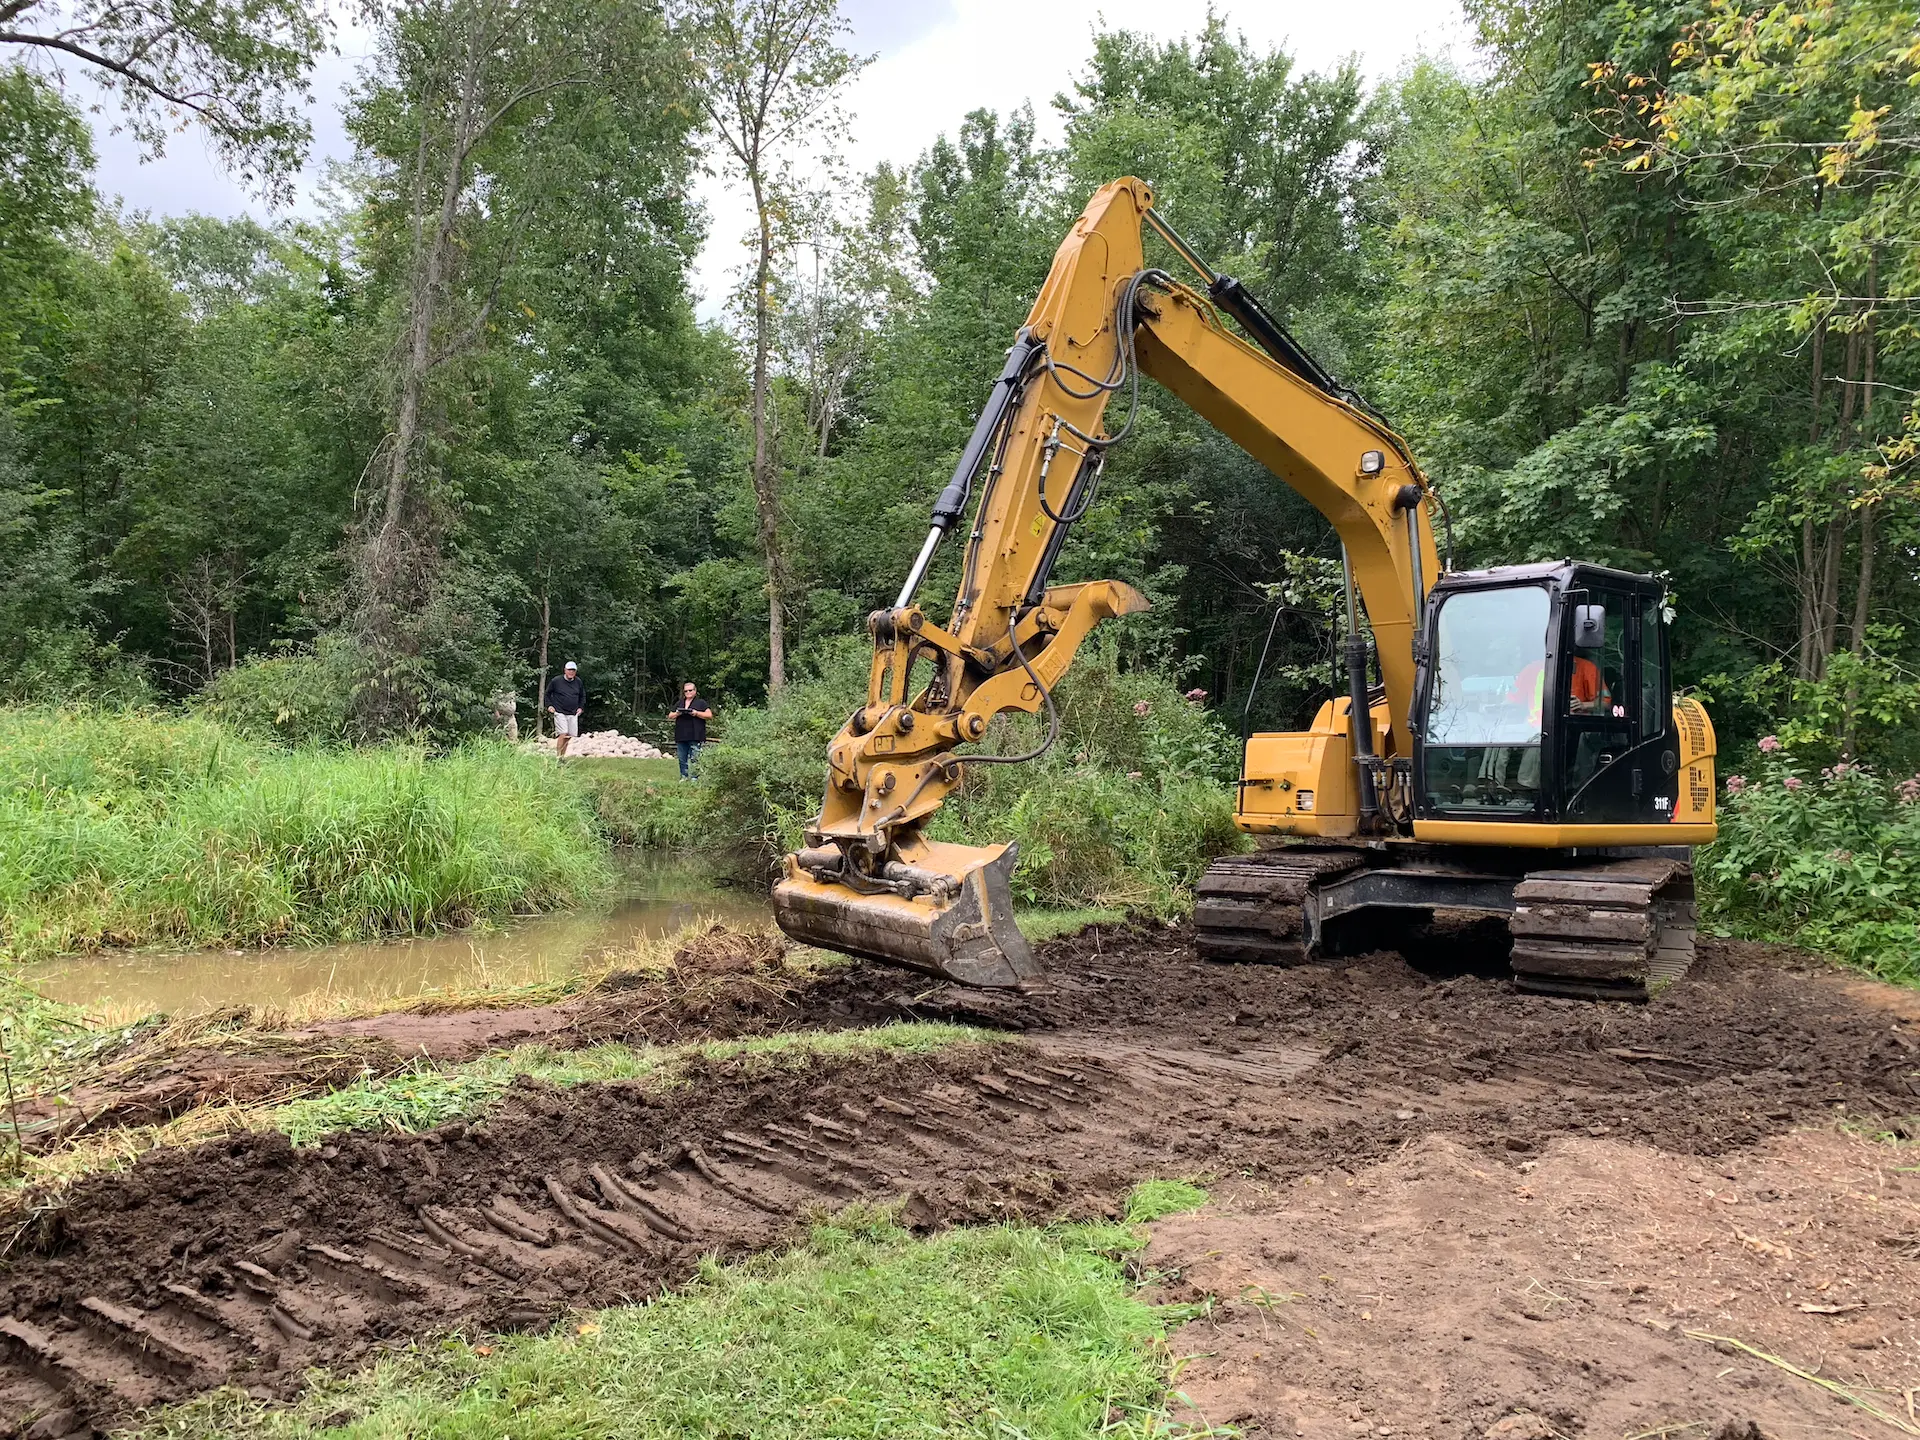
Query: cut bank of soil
{"x": 722, "y": 985}
{"x": 247, "y": 1261}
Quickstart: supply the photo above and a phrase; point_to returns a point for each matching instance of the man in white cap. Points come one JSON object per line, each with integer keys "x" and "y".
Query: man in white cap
{"x": 566, "y": 698}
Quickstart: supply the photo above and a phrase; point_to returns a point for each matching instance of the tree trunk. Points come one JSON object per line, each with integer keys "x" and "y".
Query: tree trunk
{"x": 765, "y": 477}
{"x": 423, "y": 303}
{"x": 540, "y": 699}
{"x": 1807, "y": 659}
{"x": 1863, "y": 593}
{"x": 1863, "y": 590}
{"x": 1837, "y": 527}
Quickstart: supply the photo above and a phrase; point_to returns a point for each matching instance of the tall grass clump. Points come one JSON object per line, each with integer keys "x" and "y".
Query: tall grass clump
{"x": 1827, "y": 859}
{"x": 138, "y": 828}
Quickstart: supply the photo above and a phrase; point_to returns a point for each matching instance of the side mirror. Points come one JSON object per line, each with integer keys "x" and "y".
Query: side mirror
{"x": 1589, "y": 627}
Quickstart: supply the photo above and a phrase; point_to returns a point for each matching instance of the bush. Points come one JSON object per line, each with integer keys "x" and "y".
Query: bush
{"x": 65, "y": 666}
{"x": 302, "y": 698}
{"x": 1830, "y": 861}
{"x": 135, "y": 828}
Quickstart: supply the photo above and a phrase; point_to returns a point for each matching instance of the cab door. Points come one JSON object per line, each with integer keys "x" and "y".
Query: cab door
{"x": 1598, "y": 708}
{"x": 1615, "y": 740}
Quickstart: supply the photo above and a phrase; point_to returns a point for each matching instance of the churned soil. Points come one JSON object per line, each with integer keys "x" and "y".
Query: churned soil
{"x": 1402, "y": 1157}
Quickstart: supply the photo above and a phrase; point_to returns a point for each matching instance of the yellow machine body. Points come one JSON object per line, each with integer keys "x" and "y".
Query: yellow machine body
{"x": 868, "y": 882}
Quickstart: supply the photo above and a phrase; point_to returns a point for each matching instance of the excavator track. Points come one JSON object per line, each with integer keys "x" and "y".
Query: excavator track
{"x": 1617, "y": 930}
{"x": 1253, "y": 907}
{"x": 1608, "y": 930}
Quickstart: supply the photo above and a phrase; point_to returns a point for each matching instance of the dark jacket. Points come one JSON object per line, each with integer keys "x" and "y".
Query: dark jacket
{"x": 564, "y": 696}
{"x": 688, "y": 728}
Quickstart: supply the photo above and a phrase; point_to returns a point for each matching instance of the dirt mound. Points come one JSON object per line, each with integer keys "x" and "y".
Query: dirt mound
{"x": 249, "y": 1261}
{"x": 725, "y": 951}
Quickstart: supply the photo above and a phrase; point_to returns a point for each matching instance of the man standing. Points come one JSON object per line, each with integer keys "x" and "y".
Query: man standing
{"x": 690, "y": 719}
{"x": 566, "y": 698}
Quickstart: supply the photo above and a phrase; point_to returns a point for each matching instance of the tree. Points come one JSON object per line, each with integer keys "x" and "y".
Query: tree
{"x": 1798, "y": 126}
{"x": 774, "y": 70}
{"x": 238, "y": 68}
{"x": 477, "y": 114}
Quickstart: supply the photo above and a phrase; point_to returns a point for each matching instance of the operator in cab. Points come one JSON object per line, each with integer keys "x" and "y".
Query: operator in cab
{"x": 1587, "y": 691}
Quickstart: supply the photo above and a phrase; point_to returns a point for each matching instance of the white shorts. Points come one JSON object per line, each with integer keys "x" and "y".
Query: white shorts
{"x": 566, "y": 725}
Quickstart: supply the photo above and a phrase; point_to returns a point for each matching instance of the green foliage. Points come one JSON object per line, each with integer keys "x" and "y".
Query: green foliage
{"x": 1124, "y": 811}
{"x": 761, "y": 780}
{"x": 299, "y": 698}
{"x": 134, "y": 828}
{"x": 862, "y": 1331}
{"x": 1828, "y": 860}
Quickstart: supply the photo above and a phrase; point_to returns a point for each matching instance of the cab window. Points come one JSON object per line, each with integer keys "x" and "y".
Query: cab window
{"x": 1484, "y": 714}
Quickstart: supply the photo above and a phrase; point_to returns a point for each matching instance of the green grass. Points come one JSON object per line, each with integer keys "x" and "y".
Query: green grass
{"x": 139, "y": 828}
{"x": 643, "y": 803}
{"x": 625, "y": 768}
{"x": 1155, "y": 1199}
{"x": 1043, "y": 925}
{"x": 1003, "y": 1332}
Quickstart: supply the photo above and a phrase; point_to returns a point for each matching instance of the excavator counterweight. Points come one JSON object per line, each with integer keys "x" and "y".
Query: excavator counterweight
{"x": 1521, "y": 755}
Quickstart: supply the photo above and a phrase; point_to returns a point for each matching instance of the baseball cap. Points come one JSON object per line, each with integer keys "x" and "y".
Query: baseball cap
{"x": 569, "y": 666}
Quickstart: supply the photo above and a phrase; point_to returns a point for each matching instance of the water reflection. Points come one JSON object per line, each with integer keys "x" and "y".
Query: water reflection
{"x": 658, "y": 898}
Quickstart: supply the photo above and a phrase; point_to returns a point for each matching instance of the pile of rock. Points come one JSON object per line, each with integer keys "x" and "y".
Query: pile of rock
{"x": 611, "y": 743}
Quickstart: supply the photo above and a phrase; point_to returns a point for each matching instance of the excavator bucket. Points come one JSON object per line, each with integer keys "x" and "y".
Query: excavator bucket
{"x": 949, "y": 913}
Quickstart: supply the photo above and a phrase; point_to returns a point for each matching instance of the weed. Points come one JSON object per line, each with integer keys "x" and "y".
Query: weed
{"x": 1829, "y": 860}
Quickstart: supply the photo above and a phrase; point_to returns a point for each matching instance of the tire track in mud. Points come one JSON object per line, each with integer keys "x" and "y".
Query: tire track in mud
{"x": 248, "y": 1263}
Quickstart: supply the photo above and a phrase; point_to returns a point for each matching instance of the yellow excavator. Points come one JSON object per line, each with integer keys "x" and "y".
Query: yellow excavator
{"x": 1522, "y": 754}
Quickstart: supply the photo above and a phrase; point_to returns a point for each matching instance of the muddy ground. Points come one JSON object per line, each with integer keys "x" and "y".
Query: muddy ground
{"x": 1441, "y": 1207}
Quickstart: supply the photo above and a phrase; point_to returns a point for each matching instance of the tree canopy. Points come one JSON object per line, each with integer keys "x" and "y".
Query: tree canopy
{"x": 1637, "y": 284}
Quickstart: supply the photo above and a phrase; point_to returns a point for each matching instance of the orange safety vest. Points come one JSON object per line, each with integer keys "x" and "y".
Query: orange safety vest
{"x": 1586, "y": 685}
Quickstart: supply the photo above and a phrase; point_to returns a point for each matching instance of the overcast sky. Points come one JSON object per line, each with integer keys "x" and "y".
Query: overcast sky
{"x": 936, "y": 60}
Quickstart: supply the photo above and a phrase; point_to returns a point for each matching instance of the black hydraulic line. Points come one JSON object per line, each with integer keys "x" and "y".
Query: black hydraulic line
{"x": 1359, "y": 707}
{"x": 952, "y": 503}
{"x": 1080, "y": 498}
{"x": 1253, "y": 688}
{"x": 1271, "y": 336}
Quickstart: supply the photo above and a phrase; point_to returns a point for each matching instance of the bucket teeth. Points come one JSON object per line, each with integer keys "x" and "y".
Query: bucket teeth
{"x": 968, "y": 937}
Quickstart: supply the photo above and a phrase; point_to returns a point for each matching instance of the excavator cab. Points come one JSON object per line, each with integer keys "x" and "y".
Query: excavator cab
{"x": 1545, "y": 698}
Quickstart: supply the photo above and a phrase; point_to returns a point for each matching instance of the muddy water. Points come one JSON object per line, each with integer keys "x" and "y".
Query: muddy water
{"x": 656, "y": 899}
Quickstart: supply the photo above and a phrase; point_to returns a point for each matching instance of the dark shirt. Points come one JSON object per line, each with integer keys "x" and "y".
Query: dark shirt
{"x": 689, "y": 729}
{"x": 566, "y": 696}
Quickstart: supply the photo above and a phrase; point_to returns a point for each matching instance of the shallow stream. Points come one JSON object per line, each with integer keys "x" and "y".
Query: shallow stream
{"x": 657, "y": 897}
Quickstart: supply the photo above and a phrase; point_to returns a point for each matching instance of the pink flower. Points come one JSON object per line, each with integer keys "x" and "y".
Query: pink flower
{"x": 1909, "y": 791}
{"x": 1769, "y": 744}
{"x": 1141, "y": 707}
{"x": 1792, "y": 782}
{"x": 1735, "y": 784}
{"x": 1196, "y": 695}
{"x": 1133, "y": 774}
{"x": 1841, "y": 855}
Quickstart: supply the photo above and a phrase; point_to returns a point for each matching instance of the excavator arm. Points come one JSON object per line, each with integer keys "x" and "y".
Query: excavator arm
{"x": 869, "y": 882}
